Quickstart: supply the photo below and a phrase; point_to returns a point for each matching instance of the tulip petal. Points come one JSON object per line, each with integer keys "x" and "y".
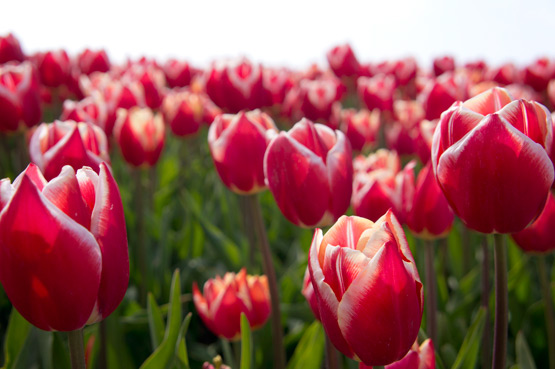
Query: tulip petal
{"x": 340, "y": 175}
{"x": 260, "y": 299}
{"x": 410, "y": 361}
{"x": 226, "y": 312}
{"x": 202, "y": 308}
{"x": 108, "y": 227}
{"x": 341, "y": 266}
{"x": 489, "y": 102}
{"x": 346, "y": 232}
{"x": 427, "y": 355}
{"x": 47, "y": 250}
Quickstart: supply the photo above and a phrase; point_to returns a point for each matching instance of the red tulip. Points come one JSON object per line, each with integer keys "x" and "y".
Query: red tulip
{"x": 505, "y": 74}
{"x": 422, "y": 357}
{"x": 140, "y": 135}
{"x": 539, "y": 237}
{"x": 430, "y": 216}
{"x": 55, "y": 145}
{"x": 178, "y": 73}
{"x": 54, "y": 68}
{"x": 10, "y": 49}
{"x": 309, "y": 171}
{"x": 91, "y": 109}
{"x": 184, "y": 112}
{"x": 69, "y": 266}
{"x": 151, "y": 79}
{"x": 489, "y": 157}
{"x": 224, "y": 299}
{"x": 308, "y": 293}
{"x": 361, "y": 127}
{"x": 439, "y": 94}
{"x": 90, "y": 61}
{"x": 237, "y": 144}
{"x": 276, "y": 83}
{"x": 369, "y": 294}
{"x": 538, "y": 74}
{"x": 443, "y": 64}
{"x": 404, "y": 71}
{"x": 424, "y": 138}
{"x": 377, "y": 92}
{"x": 343, "y": 62}
{"x": 19, "y": 96}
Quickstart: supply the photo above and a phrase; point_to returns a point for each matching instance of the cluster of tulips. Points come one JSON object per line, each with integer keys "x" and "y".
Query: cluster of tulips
{"x": 399, "y": 145}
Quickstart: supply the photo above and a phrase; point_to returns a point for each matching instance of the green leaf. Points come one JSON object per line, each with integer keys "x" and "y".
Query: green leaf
{"x": 468, "y": 354}
{"x": 310, "y": 349}
{"x": 164, "y": 355}
{"x": 523, "y": 355}
{"x": 16, "y": 336}
{"x": 182, "y": 356}
{"x": 246, "y": 343}
{"x": 155, "y": 321}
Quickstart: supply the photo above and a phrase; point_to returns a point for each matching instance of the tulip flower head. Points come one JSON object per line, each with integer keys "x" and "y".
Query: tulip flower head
{"x": 224, "y": 299}
{"x": 418, "y": 357}
{"x": 343, "y": 62}
{"x": 54, "y": 145}
{"x": 237, "y": 144}
{"x": 69, "y": 265}
{"x": 489, "y": 157}
{"x": 10, "y": 49}
{"x": 140, "y": 135}
{"x": 369, "y": 294}
{"x": 310, "y": 173}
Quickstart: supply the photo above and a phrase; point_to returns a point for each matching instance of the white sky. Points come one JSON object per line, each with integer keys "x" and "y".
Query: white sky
{"x": 288, "y": 32}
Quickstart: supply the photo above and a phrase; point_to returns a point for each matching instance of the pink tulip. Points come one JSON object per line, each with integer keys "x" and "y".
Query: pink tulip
{"x": 539, "y": 237}
{"x": 343, "y": 62}
{"x": 377, "y": 92}
{"x": 10, "y": 49}
{"x": 422, "y": 357}
{"x": 90, "y": 61}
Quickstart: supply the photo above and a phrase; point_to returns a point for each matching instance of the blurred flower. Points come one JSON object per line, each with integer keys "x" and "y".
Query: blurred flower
{"x": 539, "y": 237}
{"x": 91, "y": 109}
{"x": 377, "y": 92}
{"x": 184, "y": 112}
{"x": 343, "y": 62}
{"x": 224, "y": 299}
{"x": 443, "y": 64}
{"x": 360, "y": 269}
{"x": 482, "y": 154}
{"x": 90, "y": 61}
{"x": 439, "y": 94}
{"x": 140, "y": 135}
{"x": 70, "y": 265}
{"x": 178, "y": 73}
{"x": 54, "y": 67}
{"x": 10, "y": 49}
{"x": 237, "y": 144}
{"x": 309, "y": 171}
{"x": 538, "y": 74}
{"x": 505, "y": 74}
{"x": 55, "y": 145}
{"x": 360, "y": 126}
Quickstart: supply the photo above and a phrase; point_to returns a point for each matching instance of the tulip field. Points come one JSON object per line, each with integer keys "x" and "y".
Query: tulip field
{"x": 360, "y": 214}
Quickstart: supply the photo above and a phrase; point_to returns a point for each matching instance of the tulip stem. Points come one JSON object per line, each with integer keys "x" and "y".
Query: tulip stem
{"x": 102, "y": 360}
{"x": 332, "y": 357}
{"x": 76, "y": 349}
{"x": 431, "y": 320}
{"x": 466, "y": 249}
{"x": 141, "y": 253}
{"x": 501, "y": 304}
{"x": 268, "y": 265}
{"x": 486, "y": 359}
{"x": 549, "y": 313}
{"x": 228, "y": 354}
{"x": 248, "y": 226}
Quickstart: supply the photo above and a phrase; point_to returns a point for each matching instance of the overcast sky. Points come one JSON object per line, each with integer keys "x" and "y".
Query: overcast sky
{"x": 293, "y": 33}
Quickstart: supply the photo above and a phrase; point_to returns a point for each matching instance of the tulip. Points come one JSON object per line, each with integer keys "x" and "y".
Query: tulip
{"x": 237, "y": 144}
{"x": 430, "y": 216}
{"x": 538, "y": 74}
{"x": 224, "y": 299}
{"x": 443, "y": 64}
{"x": 276, "y": 84}
{"x": 424, "y": 138}
{"x": 309, "y": 171}
{"x": 343, "y": 62}
{"x": 439, "y": 94}
{"x": 404, "y": 71}
{"x": 422, "y": 357}
{"x": 54, "y": 68}
{"x": 19, "y": 96}
{"x": 361, "y": 127}
{"x": 10, "y": 49}
{"x": 90, "y": 61}
{"x": 151, "y": 79}
{"x": 69, "y": 266}
{"x": 539, "y": 237}
{"x": 140, "y": 135}
{"x": 91, "y": 109}
{"x": 185, "y": 111}
{"x": 178, "y": 73}
{"x": 377, "y": 92}
{"x": 308, "y": 293}
{"x": 486, "y": 151}
{"x": 368, "y": 290}
{"x": 505, "y": 74}
{"x": 55, "y": 145}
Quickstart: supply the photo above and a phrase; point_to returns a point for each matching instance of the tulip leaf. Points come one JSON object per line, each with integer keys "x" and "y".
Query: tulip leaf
{"x": 164, "y": 355}
{"x": 246, "y": 343}
{"x": 155, "y": 321}
{"x": 16, "y": 336}
{"x": 468, "y": 354}
{"x": 182, "y": 356}
{"x": 310, "y": 349}
{"x": 523, "y": 355}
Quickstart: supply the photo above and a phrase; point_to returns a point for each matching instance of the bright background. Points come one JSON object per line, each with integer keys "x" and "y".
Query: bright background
{"x": 289, "y": 32}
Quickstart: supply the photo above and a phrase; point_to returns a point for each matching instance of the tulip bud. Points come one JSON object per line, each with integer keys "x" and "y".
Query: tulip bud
{"x": 276, "y": 83}
{"x": 439, "y": 94}
{"x": 184, "y": 112}
{"x": 538, "y": 74}
{"x": 377, "y": 92}
{"x": 422, "y": 357}
{"x": 443, "y": 64}
{"x": 237, "y": 144}
{"x": 309, "y": 171}
{"x": 91, "y": 109}
{"x": 54, "y": 68}
{"x": 90, "y": 61}
{"x": 489, "y": 157}
{"x": 368, "y": 290}
{"x": 361, "y": 127}
{"x": 178, "y": 73}
{"x": 505, "y": 74}
{"x": 10, "y": 49}
{"x": 224, "y": 299}
{"x": 70, "y": 265}
{"x": 19, "y": 96}
{"x": 539, "y": 237}
{"x": 55, "y": 145}
{"x": 343, "y": 62}
{"x": 140, "y": 135}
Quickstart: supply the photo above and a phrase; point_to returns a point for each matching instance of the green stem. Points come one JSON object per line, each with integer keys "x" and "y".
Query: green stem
{"x": 268, "y": 265}
{"x": 486, "y": 335}
{"x": 549, "y": 313}
{"x": 228, "y": 354}
{"x": 466, "y": 249}
{"x": 331, "y": 355}
{"x": 76, "y": 349}
{"x": 431, "y": 304}
{"x": 501, "y": 304}
{"x": 248, "y": 228}
{"x": 140, "y": 250}
{"x": 102, "y": 360}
